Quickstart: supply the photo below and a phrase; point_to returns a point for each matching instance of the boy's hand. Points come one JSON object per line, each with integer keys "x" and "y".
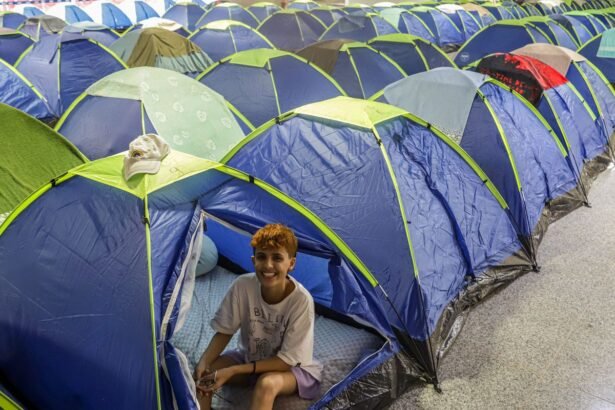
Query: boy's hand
{"x": 201, "y": 369}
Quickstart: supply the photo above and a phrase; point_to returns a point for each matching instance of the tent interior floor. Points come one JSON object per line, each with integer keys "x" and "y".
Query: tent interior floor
{"x": 546, "y": 341}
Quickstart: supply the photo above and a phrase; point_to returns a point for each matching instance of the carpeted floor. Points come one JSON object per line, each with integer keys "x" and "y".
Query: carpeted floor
{"x": 548, "y": 340}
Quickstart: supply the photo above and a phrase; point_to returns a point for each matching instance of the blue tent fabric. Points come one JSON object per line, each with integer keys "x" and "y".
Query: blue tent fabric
{"x": 144, "y": 11}
{"x": 591, "y": 23}
{"x": 98, "y": 32}
{"x": 292, "y": 31}
{"x": 218, "y": 42}
{"x": 31, "y": 11}
{"x": 75, "y": 15}
{"x": 362, "y": 71}
{"x": 98, "y": 137}
{"x": 251, "y": 89}
{"x": 19, "y": 93}
{"x": 302, "y": 5}
{"x": 499, "y": 37}
{"x": 359, "y": 28}
{"x": 447, "y": 34}
{"x": 225, "y": 12}
{"x": 579, "y": 32}
{"x": 603, "y": 93}
{"x": 51, "y": 332}
{"x": 327, "y": 16}
{"x": 414, "y": 56}
{"x": 11, "y": 20}
{"x": 185, "y": 14}
{"x": 262, "y": 11}
{"x": 408, "y": 23}
{"x": 557, "y": 33}
{"x": 13, "y": 44}
{"x": 114, "y": 18}
{"x": 591, "y": 50}
{"x": 73, "y": 60}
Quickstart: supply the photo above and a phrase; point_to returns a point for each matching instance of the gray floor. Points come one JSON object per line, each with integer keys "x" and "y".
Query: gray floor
{"x": 548, "y": 340}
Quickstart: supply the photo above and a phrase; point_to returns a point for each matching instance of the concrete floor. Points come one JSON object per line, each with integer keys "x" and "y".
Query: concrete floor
{"x": 547, "y": 341}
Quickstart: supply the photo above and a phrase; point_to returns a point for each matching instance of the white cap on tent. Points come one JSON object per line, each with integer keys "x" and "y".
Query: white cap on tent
{"x": 145, "y": 155}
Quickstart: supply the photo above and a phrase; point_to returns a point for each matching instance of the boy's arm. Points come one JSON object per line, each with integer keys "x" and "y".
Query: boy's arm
{"x": 217, "y": 344}
{"x": 271, "y": 364}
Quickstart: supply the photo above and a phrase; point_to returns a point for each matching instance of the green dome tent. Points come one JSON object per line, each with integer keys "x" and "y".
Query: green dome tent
{"x": 191, "y": 117}
{"x": 32, "y": 154}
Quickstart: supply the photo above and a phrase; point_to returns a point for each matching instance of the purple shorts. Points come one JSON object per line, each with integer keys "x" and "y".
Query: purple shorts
{"x": 308, "y": 387}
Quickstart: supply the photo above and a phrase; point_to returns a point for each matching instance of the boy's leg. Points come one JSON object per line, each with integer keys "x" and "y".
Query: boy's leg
{"x": 220, "y": 363}
{"x": 269, "y": 386}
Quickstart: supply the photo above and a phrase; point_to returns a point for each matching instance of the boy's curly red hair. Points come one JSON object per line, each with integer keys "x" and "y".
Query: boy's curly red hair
{"x": 275, "y": 236}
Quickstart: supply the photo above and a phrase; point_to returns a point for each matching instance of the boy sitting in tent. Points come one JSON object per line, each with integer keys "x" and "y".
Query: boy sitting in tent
{"x": 275, "y": 316}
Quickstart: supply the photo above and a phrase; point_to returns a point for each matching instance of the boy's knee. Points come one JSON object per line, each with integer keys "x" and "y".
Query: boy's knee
{"x": 269, "y": 384}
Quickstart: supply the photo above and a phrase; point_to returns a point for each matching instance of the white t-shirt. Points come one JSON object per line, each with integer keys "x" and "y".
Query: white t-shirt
{"x": 285, "y": 329}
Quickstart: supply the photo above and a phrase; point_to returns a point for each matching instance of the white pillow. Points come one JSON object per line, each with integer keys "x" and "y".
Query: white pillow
{"x": 209, "y": 257}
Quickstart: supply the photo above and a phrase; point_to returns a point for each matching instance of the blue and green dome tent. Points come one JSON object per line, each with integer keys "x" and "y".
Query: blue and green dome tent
{"x": 412, "y": 54}
{"x": 18, "y": 92}
{"x": 98, "y": 32}
{"x": 9, "y": 19}
{"x": 467, "y": 21}
{"x": 263, "y": 84}
{"x": 498, "y": 11}
{"x": 503, "y": 36}
{"x": 63, "y": 66}
{"x": 186, "y": 14}
{"x": 304, "y": 5}
{"x": 12, "y": 44}
{"x": 328, "y": 15}
{"x": 560, "y": 103}
{"x": 447, "y": 34}
{"x": 396, "y": 191}
{"x": 291, "y": 29}
{"x": 222, "y": 38}
{"x": 600, "y": 50}
{"x": 358, "y": 68}
{"x": 358, "y": 28}
{"x": 408, "y": 23}
{"x": 188, "y": 115}
{"x": 591, "y": 22}
{"x": 157, "y": 47}
{"x": 263, "y": 9}
{"x": 576, "y": 29}
{"x": 554, "y": 30}
{"x": 504, "y": 134}
{"x": 586, "y": 78}
{"x": 228, "y": 11}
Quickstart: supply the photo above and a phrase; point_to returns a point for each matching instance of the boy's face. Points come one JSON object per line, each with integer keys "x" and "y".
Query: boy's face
{"x": 272, "y": 266}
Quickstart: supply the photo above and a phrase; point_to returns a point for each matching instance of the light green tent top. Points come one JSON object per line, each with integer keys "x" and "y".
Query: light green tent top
{"x": 190, "y": 116}
{"x": 32, "y": 154}
{"x": 253, "y": 58}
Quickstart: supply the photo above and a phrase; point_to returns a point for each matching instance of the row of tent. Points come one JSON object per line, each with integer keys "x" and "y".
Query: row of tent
{"x": 358, "y": 69}
{"x": 455, "y": 23}
{"x": 458, "y": 186}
